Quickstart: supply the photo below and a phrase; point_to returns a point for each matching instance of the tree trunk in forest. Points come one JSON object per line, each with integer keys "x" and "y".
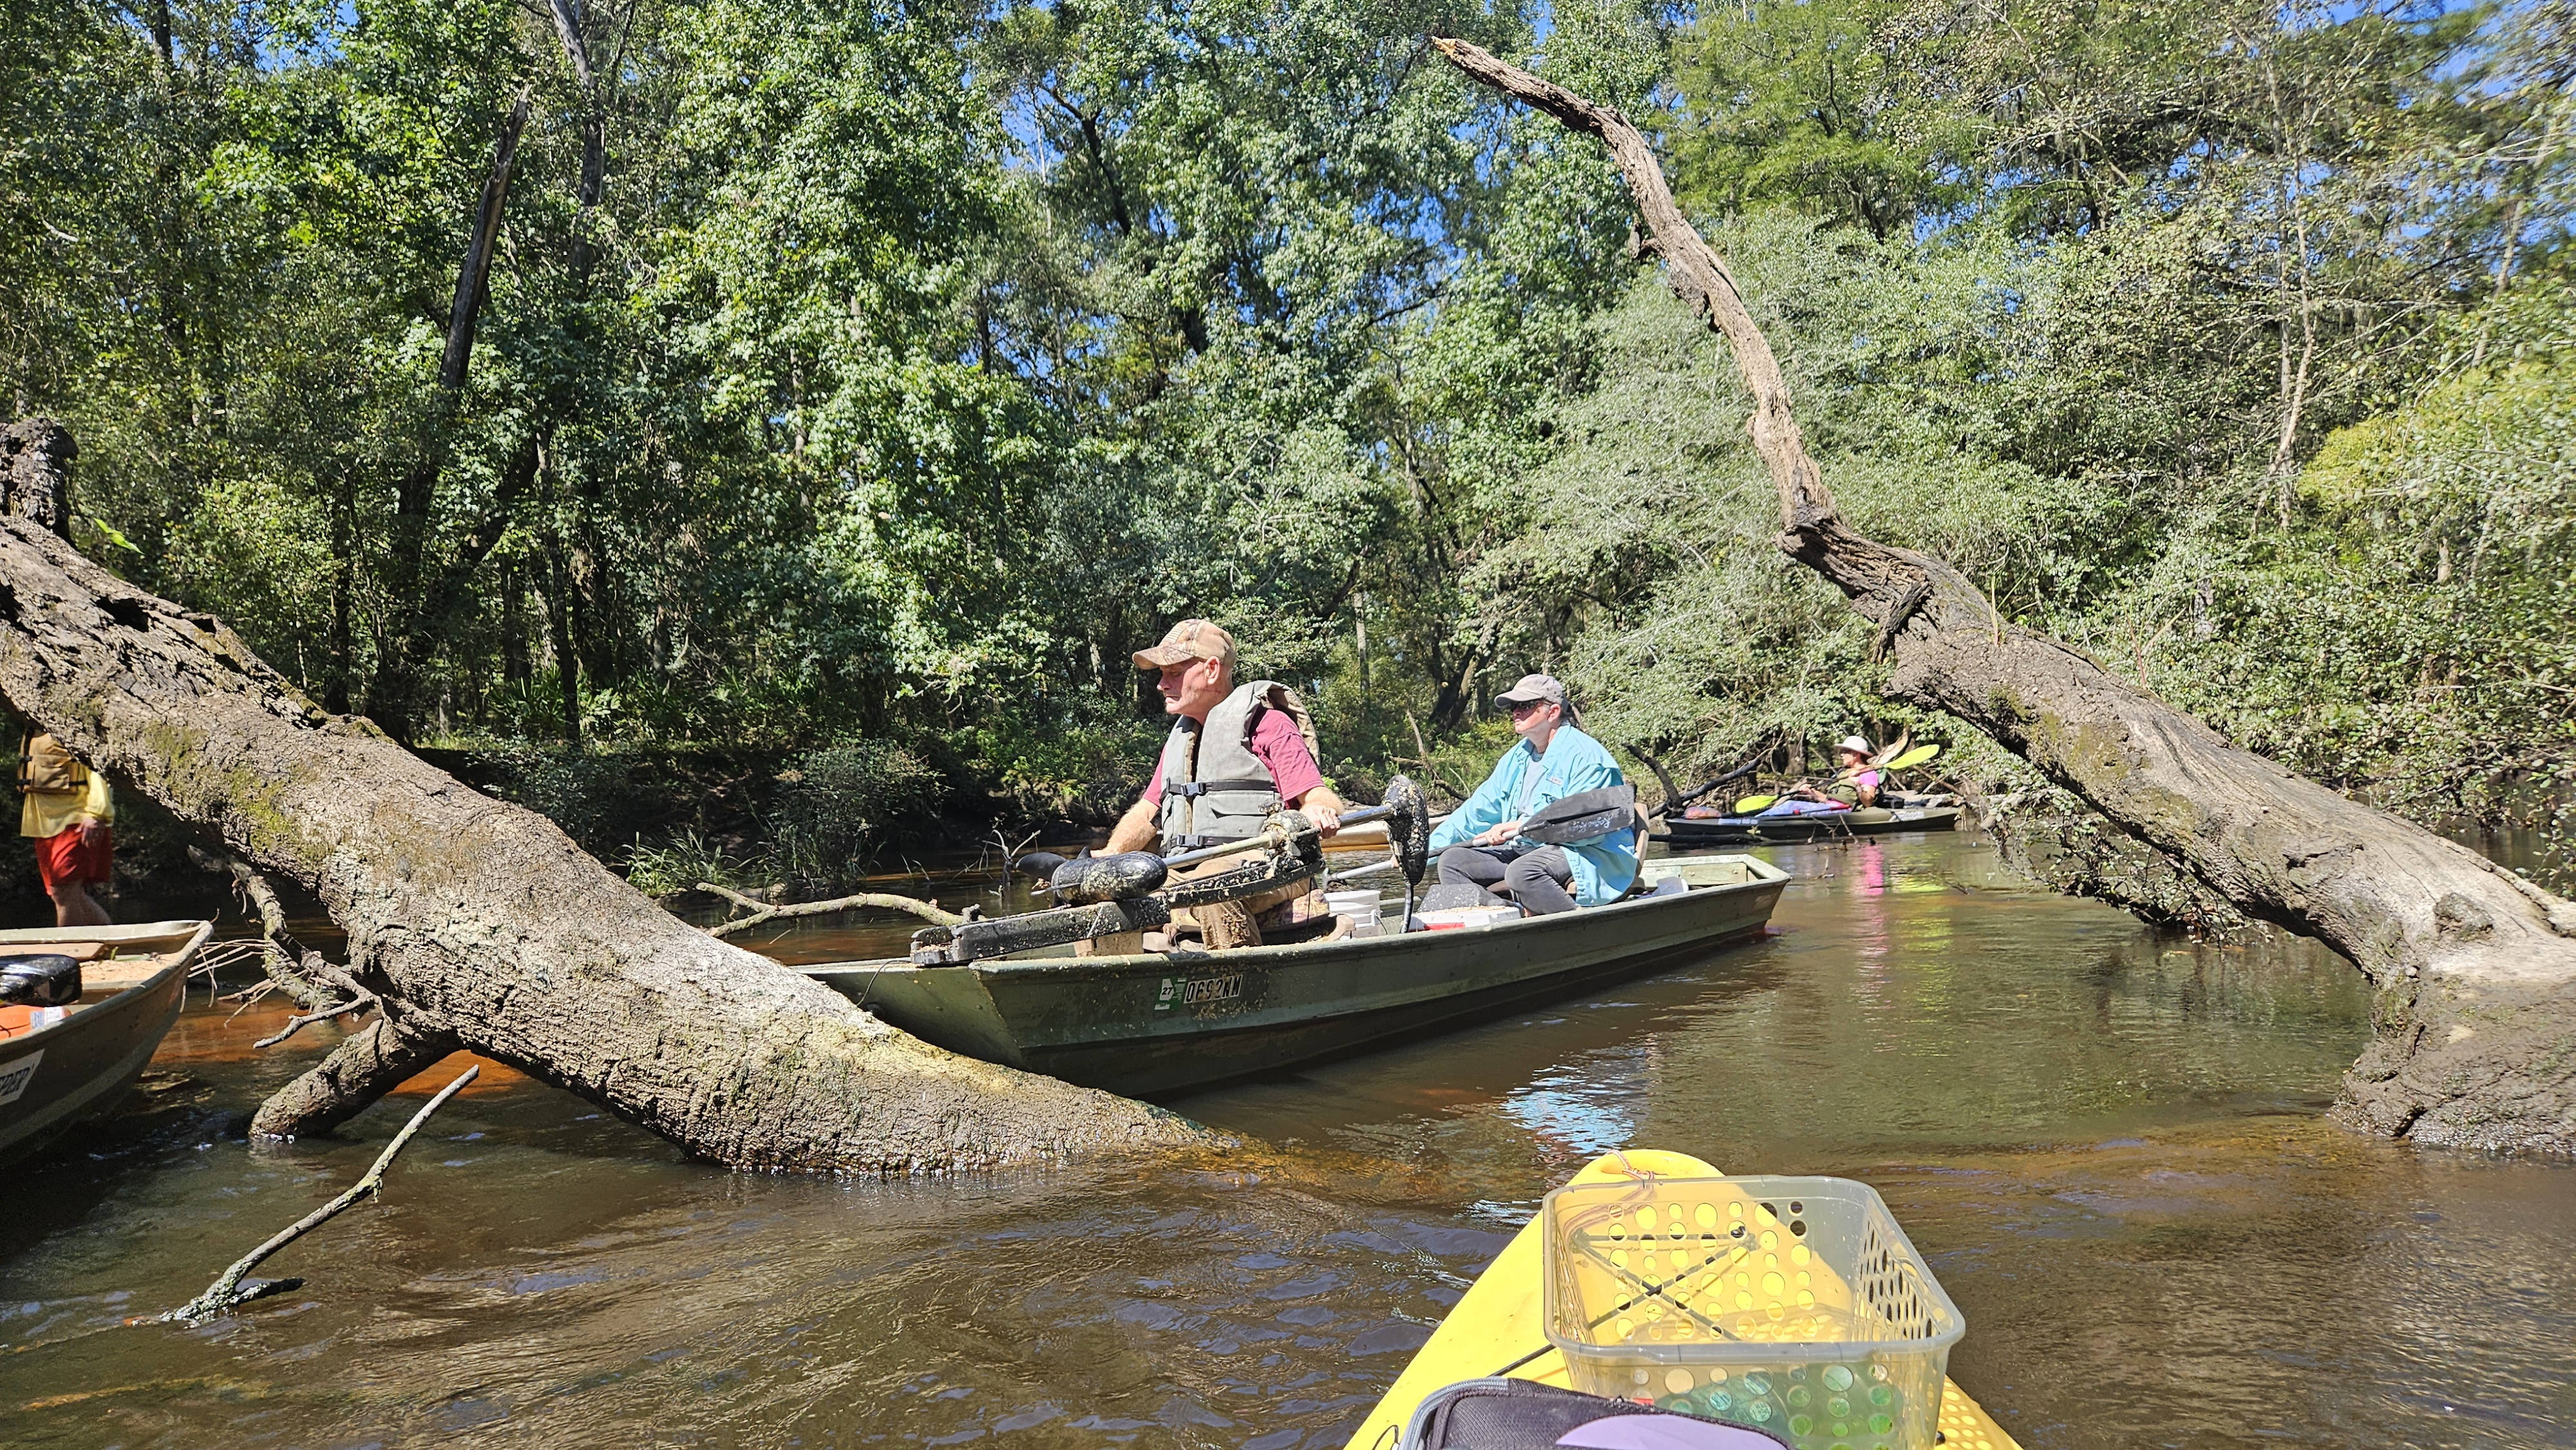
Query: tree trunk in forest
{"x": 397, "y": 677}
{"x": 2476, "y": 968}
{"x": 593, "y": 177}
{"x": 481, "y": 925}
{"x": 35, "y": 474}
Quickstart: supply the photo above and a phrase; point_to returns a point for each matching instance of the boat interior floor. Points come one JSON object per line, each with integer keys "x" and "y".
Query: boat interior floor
{"x": 107, "y": 968}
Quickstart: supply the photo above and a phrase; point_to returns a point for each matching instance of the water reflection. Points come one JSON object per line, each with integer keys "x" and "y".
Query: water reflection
{"x": 2105, "y": 1139}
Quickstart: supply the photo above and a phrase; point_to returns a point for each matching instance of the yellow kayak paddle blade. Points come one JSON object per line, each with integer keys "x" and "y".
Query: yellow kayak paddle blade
{"x": 1753, "y": 803}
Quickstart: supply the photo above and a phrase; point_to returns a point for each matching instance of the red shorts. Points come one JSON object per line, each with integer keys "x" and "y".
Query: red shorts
{"x": 63, "y": 859}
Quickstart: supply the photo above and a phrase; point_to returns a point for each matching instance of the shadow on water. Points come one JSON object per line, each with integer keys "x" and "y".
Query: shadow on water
{"x": 2105, "y": 1138}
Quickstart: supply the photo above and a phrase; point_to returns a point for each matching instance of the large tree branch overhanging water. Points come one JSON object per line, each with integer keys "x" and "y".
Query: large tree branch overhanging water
{"x": 2476, "y": 1023}
{"x": 481, "y": 925}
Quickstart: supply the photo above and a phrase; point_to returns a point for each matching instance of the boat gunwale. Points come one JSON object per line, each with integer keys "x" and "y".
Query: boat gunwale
{"x": 1765, "y": 874}
{"x": 85, "y": 1011}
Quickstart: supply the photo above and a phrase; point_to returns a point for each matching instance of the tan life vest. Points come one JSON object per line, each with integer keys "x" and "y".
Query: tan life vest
{"x": 46, "y": 768}
{"x": 1214, "y": 788}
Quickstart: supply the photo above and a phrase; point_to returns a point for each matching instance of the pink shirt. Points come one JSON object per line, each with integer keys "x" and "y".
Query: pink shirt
{"x": 1276, "y": 743}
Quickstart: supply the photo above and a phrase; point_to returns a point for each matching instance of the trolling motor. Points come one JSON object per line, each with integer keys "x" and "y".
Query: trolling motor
{"x": 1133, "y": 890}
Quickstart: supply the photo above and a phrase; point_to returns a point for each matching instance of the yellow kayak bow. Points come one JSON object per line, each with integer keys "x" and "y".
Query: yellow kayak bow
{"x": 1499, "y": 1328}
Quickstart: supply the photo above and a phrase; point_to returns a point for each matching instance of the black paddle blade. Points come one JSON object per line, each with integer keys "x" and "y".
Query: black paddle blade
{"x": 1040, "y": 864}
{"x": 1408, "y": 828}
{"x": 1108, "y": 878}
{"x": 1584, "y": 816}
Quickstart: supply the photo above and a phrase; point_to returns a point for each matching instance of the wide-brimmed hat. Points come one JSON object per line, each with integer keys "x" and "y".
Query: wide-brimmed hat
{"x": 1191, "y": 639}
{"x": 1534, "y": 688}
{"x": 1854, "y": 744}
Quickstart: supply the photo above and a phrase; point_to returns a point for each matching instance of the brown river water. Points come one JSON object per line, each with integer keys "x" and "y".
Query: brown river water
{"x": 2107, "y": 1140}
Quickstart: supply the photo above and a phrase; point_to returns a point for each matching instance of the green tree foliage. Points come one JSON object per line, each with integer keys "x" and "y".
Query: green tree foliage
{"x": 2072, "y": 296}
{"x": 889, "y": 374}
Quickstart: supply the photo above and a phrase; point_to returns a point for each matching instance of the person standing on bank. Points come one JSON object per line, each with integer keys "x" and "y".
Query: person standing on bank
{"x": 1236, "y": 752}
{"x": 68, "y": 813}
{"x": 1481, "y": 842}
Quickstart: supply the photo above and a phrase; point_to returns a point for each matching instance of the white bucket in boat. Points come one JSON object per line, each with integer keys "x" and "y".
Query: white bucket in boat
{"x": 1360, "y": 906}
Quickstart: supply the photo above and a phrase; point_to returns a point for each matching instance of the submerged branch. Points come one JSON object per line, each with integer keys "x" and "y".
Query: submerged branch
{"x": 226, "y": 1293}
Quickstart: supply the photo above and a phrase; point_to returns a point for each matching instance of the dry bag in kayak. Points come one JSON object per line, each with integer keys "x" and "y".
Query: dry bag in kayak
{"x": 1509, "y": 1414}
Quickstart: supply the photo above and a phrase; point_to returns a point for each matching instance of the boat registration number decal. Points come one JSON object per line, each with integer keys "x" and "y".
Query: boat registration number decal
{"x": 1197, "y": 991}
{"x": 14, "y": 1077}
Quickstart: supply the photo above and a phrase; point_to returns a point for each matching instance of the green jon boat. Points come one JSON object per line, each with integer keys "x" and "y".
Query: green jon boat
{"x": 1154, "y": 1023}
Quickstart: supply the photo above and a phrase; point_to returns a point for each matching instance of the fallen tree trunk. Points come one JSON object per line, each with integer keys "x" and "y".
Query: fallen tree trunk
{"x": 480, "y": 925}
{"x": 2476, "y": 971}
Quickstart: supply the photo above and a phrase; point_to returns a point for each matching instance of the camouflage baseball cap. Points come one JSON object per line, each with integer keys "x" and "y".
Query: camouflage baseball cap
{"x": 1191, "y": 639}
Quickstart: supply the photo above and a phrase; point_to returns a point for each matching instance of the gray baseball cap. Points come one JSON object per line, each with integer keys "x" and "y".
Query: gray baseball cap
{"x": 1534, "y": 688}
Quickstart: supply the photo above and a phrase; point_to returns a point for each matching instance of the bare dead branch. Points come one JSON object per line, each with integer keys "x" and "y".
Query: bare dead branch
{"x": 763, "y": 911}
{"x": 299, "y": 1022}
{"x": 225, "y": 1294}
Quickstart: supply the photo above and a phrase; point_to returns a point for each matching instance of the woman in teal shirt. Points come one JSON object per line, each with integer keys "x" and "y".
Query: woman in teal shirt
{"x": 1481, "y": 841}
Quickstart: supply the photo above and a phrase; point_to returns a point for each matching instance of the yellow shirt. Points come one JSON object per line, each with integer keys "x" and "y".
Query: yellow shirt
{"x": 50, "y": 813}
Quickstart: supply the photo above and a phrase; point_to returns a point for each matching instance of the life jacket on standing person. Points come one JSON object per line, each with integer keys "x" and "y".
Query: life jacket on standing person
{"x": 1215, "y": 789}
{"x": 46, "y": 768}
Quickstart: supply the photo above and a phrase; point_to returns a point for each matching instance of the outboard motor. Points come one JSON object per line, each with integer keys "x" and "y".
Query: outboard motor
{"x": 41, "y": 980}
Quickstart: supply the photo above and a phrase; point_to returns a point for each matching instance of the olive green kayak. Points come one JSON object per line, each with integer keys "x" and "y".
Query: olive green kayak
{"x": 1824, "y": 826}
{"x": 1158, "y": 1023}
{"x": 1867, "y": 821}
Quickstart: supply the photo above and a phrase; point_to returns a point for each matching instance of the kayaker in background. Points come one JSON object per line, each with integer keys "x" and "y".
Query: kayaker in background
{"x": 1554, "y": 759}
{"x": 68, "y": 814}
{"x": 1236, "y": 753}
{"x": 1855, "y": 786}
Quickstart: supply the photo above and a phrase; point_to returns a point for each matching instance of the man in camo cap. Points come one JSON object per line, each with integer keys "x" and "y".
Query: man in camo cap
{"x": 1236, "y": 752}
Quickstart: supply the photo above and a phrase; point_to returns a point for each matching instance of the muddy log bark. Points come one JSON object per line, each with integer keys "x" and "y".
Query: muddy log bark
{"x": 481, "y": 925}
{"x": 2476, "y": 1023}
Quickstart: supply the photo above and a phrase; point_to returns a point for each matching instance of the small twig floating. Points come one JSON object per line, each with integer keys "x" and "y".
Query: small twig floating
{"x": 763, "y": 911}
{"x": 227, "y": 1293}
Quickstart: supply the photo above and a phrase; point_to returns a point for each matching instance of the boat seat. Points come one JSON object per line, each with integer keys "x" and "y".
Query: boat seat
{"x": 1449, "y": 895}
